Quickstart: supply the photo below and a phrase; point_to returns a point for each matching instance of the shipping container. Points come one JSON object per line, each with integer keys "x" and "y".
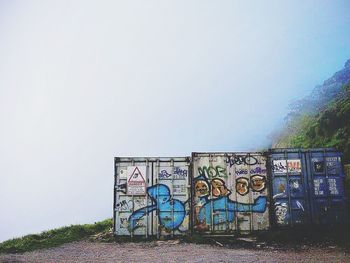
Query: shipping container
{"x": 307, "y": 186}
{"x": 230, "y": 193}
{"x": 225, "y": 193}
{"x": 152, "y": 196}
{"x": 289, "y": 187}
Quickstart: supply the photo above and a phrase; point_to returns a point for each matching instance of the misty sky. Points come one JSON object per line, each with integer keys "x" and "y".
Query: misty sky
{"x": 84, "y": 81}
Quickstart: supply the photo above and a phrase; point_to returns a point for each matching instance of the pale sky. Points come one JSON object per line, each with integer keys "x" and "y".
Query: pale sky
{"x": 84, "y": 81}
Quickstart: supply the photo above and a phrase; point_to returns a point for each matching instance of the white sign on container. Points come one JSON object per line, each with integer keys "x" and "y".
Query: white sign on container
{"x": 136, "y": 184}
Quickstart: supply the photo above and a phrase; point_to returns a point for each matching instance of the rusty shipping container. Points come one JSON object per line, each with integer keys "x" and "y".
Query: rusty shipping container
{"x": 307, "y": 187}
{"x": 230, "y": 193}
{"x": 151, "y": 196}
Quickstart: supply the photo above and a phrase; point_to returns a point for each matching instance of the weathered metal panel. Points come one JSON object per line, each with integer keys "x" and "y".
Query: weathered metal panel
{"x": 289, "y": 187}
{"x": 307, "y": 186}
{"x": 229, "y": 192}
{"x": 151, "y": 196}
{"x": 327, "y": 180}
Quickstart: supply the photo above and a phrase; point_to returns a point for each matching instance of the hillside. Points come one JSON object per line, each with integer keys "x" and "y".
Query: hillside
{"x": 322, "y": 119}
{"x": 56, "y": 237}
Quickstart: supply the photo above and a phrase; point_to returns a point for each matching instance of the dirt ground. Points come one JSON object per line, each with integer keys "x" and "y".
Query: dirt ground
{"x": 175, "y": 251}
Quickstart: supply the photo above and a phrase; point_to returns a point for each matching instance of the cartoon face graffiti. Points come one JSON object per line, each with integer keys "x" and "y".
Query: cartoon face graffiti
{"x": 257, "y": 182}
{"x": 219, "y": 188}
{"x": 242, "y": 186}
{"x": 281, "y": 210}
{"x": 201, "y": 188}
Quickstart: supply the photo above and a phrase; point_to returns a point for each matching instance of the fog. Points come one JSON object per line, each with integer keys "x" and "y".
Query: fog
{"x": 84, "y": 81}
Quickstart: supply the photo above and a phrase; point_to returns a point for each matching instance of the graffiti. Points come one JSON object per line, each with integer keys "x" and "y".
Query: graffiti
{"x": 124, "y": 222}
{"x": 257, "y": 184}
{"x": 299, "y": 205}
{"x": 177, "y": 174}
{"x": 242, "y": 185}
{"x": 279, "y": 166}
{"x": 257, "y": 170}
{"x": 121, "y": 188}
{"x": 241, "y": 172}
{"x": 241, "y": 159}
{"x": 164, "y": 174}
{"x": 319, "y": 166}
{"x": 171, "y": 212}
{"x": 124, "y": 205}
{"x": 129, "y": 205}
{"x": 212, "y": 172}
{"x": 220, "y": 208}
{"x": 295, "y": 184}
{"x": 224, "y": 209}
{"x": 219, "y": 188}
{"x": 284, "y": 166}
{"x": 296, "y": 187}
{"x": 139, "y": 202}
{"x": 180, "y": 173}
{"x": 281, "y": 212}
{"x": 201, "y": 188}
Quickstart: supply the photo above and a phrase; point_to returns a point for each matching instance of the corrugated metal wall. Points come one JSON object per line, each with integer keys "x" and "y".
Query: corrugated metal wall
{"x": 289, "y": 187}
{"x": 226, "y": 193}
{"x": 326, "y": 177}
{"x": 230, "y": 192}
{"x": 307, "y": 186}
{"x": 151, "y": 196}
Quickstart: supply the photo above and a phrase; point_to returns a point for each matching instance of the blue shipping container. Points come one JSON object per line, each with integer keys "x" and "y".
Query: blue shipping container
{"x": 307, "y": 186}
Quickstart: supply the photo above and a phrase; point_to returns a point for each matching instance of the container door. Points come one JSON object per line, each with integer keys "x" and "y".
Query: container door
{"x": 250, "y": 190}
{"x": 211, "y": 213}
{"x": 289, "y": 188}
{"x": 132, "y": 218}
{"x": 171, "y": 189}
{"x": 327, "y": 179}
{"x": 229, "y": 193}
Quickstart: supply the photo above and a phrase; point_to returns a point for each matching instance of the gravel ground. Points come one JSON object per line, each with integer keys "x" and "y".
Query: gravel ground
{"x": 173, "y": 251}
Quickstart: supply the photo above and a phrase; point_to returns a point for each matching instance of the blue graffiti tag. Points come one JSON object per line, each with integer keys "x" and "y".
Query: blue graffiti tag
{"x": 224, "y": 209}
{"x": 220, "y": 208}
{"x": 164, "y": 174}
{"x": 180, "y": 173}
{"x": 171, "y": 212}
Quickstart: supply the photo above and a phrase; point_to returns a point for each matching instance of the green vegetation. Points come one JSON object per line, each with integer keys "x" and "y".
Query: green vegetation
{"x": 55, "y": 237}
{"x": 321, "y": 119}
{"x": 330, "y": 127}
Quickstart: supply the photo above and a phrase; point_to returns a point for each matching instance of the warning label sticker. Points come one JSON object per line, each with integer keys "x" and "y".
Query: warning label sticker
{"x": 136, "y": 184}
